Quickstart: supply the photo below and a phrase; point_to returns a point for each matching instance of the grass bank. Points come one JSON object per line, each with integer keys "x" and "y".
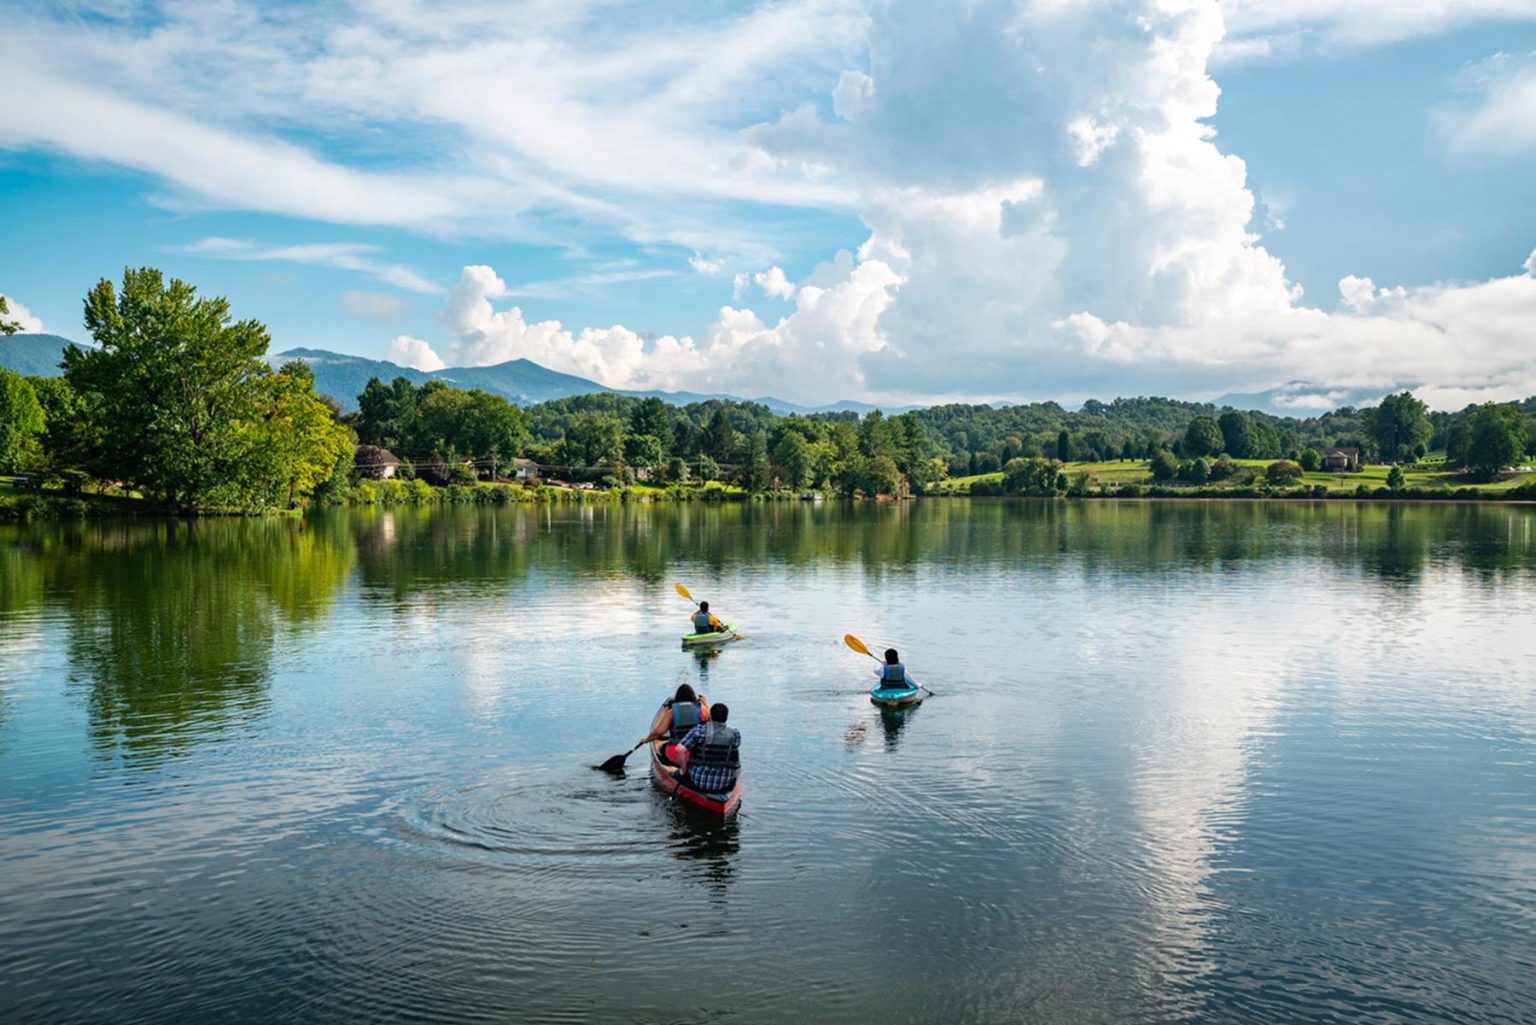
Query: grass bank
{"x": 1133, "y": 478}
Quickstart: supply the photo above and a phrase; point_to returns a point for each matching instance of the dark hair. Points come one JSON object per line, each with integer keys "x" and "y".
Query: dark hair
{"x": 891, "y": 656}
{"x": 718, "y": 712}
{"x": 685, "y": 693}
{"x": 703, "y": 606}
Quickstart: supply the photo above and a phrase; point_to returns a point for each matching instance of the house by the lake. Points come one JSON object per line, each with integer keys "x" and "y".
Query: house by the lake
{"x": 1340, "y": 460}
{"x": 375, "y": 463}
{"x": 525, "y": 469}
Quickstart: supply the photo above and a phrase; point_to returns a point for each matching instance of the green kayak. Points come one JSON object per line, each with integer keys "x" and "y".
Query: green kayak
{"x": 711, "y": 639}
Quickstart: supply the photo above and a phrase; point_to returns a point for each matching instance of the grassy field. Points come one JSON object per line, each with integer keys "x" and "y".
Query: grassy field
{"x": 1425, "y": 477}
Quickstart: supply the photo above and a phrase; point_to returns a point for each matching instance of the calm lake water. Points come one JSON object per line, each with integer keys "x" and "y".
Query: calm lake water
{"x": 1215, "y": 762}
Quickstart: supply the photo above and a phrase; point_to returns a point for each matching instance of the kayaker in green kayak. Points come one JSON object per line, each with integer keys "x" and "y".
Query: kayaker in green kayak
{"x": 704, "y": 622}
{"x": 893, "y": 675}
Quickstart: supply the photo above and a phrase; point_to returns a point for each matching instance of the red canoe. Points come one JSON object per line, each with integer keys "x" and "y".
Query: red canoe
{"x": 666, "y": 775}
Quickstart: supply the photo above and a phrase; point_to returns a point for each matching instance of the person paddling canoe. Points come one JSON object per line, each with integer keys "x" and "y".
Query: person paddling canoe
{"x": 710, "y": 755}
{"x": 893, "y": 675}
{"x": 704, "y": 621}
{"x": 680, "y": 714}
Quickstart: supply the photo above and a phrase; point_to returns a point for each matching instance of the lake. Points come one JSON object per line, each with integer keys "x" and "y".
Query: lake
{"x": 1200, "y": 762}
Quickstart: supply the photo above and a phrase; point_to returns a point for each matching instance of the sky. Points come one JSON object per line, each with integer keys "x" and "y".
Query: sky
{"x": 897, "y": 202}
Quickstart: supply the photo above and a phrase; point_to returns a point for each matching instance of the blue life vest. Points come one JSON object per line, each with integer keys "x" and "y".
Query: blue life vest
{"x": 719, "y": 747}
{"x": 702, "y": 624}
{"x": 894, "y": 675}
{"x": 685, "y": 716}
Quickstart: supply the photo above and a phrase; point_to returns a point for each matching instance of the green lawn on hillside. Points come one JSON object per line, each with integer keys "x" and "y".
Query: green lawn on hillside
{"x": 1425, "y": 476}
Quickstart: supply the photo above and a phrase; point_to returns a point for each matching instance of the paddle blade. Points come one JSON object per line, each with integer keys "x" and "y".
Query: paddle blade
{"x": 615, "y": 764}
{"x": 683, "y": 591}
{"x": 856, "y": 644}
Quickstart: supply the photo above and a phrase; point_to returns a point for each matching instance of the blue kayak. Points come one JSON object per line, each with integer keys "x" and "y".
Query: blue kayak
{"x": 895, "y": 697}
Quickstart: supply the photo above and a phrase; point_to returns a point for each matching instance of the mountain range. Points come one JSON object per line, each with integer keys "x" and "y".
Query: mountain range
{"x": 527, "y": 383}
{"x": 34, "y": 355}
{"x": 343, "y": 377}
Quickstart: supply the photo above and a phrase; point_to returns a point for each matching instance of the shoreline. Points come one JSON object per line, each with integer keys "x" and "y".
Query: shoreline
{"x": 56, "y": 507}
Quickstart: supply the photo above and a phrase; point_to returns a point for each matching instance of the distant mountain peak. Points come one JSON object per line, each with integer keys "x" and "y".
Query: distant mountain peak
{"x": 519, "y": 380}
{"x": 35, "y": 354}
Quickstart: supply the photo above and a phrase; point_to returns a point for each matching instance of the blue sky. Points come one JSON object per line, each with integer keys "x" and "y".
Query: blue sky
{"x": 814, "y": 198}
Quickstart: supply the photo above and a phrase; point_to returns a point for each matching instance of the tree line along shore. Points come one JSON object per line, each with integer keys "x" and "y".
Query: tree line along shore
{"x": 176, "y": 409}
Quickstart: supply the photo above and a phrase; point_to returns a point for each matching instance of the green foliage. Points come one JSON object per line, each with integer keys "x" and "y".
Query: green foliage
{"x": 1283, "y": 471}
{"x": 1495, "y": 439}
{"x": 1063, "y": 446}
{"x": 644, "y": 450}
{"x": 1032, "y": 476}
{"x": 177, "y": 401}
{"x": 793, "y": 456}
{"x": 1396, "y": 426}
{"x": 651, "y": 416}
{"x": 1164, "y": 465}
{"x": 437, "y": 421}
{"x": 21, "y": 424}
{"x": 1395, "y": 479}
{"x": 593, "y": 439}
{"x": 297, "y": 442}
{"x": 1310, "y": 460}
{"x": 1202, "y": 437}
{"x": 756, "y": 473}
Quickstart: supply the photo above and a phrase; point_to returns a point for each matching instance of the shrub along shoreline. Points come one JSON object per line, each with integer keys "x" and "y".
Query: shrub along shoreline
{"x": 50, "y": 506}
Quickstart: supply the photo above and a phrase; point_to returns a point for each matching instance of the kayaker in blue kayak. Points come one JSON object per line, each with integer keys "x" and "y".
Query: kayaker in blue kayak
{"x": 893, "y": 675}
{"x": 710, "y": 755}
{"x": 705, "y": 623}
{"x": 683, "y": 711}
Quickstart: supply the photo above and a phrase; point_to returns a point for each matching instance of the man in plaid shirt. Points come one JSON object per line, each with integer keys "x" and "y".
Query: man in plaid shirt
{"x": 714, "y": 753}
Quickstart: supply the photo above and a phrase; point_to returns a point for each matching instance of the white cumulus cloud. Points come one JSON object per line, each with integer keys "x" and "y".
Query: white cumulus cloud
{"x": 774, "y": 284}
{"x": 19, "y": 314}
{"x": 413, "y": 352}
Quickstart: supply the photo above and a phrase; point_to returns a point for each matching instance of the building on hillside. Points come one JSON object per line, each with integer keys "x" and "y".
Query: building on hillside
{"x": 1341, "y": 460}
{"x": 525, "y": 469}
{"x": 374, "y": 463}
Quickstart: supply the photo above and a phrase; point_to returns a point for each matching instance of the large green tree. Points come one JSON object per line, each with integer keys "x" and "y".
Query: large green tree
{"x": 178, "y": 401}
{"x": 594, "y": 439}
{"x": 1397, "y": 426}
{"x": 651, "y": 416}
{"x": 1236, "y": 434}
{"x": 299, "y": 439}
{"x": 21, "y": 424}
{"x": 64, "y": 423}
{"x": 793, "y": 456}
{"x": 1203, "y": 438}
{"x": 1495, "y": 438}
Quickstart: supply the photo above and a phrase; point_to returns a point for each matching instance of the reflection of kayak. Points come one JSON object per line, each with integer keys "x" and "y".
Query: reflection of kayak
{"x": 712, "y": 638}
{"x": 665, "y": 775}
{"x": 895, "y": 697}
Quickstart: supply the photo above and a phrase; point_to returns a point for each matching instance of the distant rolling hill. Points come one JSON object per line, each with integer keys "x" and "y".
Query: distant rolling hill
{"x": 521, "y": 381}
{"x": 343, "y": 377}
{"x": 33, "y": 355}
